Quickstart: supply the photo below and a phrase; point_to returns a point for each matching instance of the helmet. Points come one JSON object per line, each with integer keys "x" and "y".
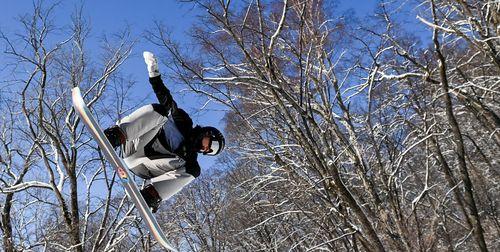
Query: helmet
{"x": 217, "y": 141}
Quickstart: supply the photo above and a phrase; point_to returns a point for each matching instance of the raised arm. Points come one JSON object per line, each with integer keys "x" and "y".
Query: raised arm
{"x": 161, "y": 91}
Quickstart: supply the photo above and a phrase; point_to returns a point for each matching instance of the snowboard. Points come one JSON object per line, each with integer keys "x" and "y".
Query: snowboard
{"x": 121, "y": 168}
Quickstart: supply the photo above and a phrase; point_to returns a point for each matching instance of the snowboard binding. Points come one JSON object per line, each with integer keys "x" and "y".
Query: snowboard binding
{"x": 151, "y": 197}
{"x": 115, "y": 135}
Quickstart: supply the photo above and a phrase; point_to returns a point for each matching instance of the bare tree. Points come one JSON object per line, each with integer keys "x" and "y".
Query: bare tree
{"x": 343, "y": 135}
{"x": 348, "y": 136}
{"x": 51, "y": 169}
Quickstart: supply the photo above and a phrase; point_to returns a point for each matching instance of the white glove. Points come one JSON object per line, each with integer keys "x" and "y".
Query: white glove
{"x": 152, "y": 63}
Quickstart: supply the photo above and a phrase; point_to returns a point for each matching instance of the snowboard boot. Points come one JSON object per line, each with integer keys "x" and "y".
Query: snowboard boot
{"x": 151, "y": 197}
{"x": 115, "y": 136}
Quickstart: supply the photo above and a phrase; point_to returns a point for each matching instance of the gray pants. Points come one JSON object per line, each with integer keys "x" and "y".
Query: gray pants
{"x": 168, "y": 175}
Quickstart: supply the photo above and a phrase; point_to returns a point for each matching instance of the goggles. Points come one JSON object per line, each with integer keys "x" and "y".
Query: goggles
{"x": 214, "y": 147}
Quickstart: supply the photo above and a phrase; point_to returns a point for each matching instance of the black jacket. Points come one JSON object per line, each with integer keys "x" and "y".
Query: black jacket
{"x": 182, "y": 121}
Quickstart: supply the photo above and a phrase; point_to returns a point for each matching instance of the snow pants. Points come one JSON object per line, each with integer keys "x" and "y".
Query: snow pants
{"x": 167, "y": 174}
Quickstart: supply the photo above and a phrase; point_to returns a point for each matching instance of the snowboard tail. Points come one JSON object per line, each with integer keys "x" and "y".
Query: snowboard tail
{"x": 121, "y": 168}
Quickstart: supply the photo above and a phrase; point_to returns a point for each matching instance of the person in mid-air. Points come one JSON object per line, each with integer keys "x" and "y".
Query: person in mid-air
{"x": 160, "y": 144}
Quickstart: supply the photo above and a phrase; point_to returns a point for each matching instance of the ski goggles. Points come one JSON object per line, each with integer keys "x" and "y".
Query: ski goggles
{"x": 214, "y": 147}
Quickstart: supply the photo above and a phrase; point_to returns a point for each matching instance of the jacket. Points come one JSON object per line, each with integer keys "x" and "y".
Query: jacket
{"x": 167, "y": 107}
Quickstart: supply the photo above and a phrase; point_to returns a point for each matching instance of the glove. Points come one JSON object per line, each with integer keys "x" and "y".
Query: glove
{"x": 152, "y": 64}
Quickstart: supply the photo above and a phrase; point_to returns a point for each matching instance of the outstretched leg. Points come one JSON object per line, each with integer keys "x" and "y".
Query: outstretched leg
{"x": 150, "y": 167}
{"x": 165, "y": 186}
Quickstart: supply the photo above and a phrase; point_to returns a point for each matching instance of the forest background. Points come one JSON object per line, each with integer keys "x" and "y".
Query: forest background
{"x": 349, "y": 129}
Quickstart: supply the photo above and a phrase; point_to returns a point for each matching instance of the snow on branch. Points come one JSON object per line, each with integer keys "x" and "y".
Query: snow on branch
{"x": 435, "y": 26}
{"x": 26, "y": 185}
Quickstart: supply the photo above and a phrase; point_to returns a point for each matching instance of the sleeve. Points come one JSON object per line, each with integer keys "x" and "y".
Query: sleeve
{"x": 163, "y": 94}
{"x": 192, "y": 165}
{"x": 167, "y": 104}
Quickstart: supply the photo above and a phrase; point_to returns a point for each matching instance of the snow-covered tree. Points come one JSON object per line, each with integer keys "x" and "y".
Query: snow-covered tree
{"x": 348, "y": 135}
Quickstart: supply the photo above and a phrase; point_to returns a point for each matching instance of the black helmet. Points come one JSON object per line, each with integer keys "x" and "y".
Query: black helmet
{"x": 217, "y": 141}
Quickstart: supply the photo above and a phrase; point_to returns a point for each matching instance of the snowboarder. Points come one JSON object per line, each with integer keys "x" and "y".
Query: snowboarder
{"x": 160, "y": 144}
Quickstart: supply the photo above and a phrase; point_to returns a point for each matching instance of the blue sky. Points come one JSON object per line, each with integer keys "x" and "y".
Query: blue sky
{"x": 110, "y": 16}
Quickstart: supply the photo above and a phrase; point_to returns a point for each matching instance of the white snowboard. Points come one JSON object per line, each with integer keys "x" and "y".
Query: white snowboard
{"x": 121, "y": 168}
